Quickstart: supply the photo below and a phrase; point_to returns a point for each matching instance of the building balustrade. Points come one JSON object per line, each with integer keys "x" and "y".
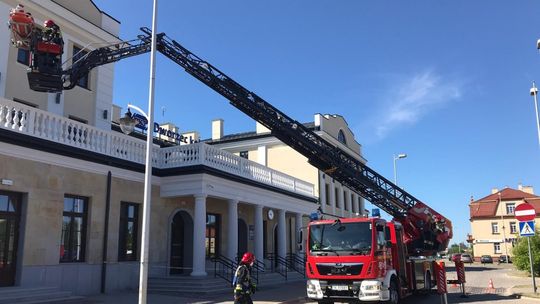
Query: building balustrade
{"x": 37, "y": 123}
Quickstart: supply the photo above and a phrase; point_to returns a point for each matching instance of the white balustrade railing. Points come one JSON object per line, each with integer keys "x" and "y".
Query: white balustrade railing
{"x": 30, "y": 121}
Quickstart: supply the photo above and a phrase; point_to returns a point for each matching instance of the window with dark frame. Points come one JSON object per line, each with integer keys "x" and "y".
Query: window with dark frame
{"x": 345, "y": 206}
{"x": 73, "y": 238}
{"x": 23, "y": 56}
{"x": 213, "y": 222}
{"x": 78, "y": 53}
{"x": 129, "y": 232}
{"x": 244, "y": 154}
{"x": 327, "y": 192}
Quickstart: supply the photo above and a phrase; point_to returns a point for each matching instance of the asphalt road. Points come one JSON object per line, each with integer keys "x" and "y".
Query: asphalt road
{"x": 477, "y": 291}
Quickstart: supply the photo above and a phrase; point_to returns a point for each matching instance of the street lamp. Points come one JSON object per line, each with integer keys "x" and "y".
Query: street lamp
{"x": 503, "y": 228}
{"x": 402, "y": 155}
{"x": 127, "y": 123}
{"x": 534, "y": 94}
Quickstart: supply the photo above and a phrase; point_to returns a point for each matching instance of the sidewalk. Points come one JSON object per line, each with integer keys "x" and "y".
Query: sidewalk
{"x": 524, "y": 286}
{"x": 289, "y": 293}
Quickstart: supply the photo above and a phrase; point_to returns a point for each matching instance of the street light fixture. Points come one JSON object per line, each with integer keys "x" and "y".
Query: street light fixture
{"x": 534, "y": 94}
{"x": 402, "y": 155}
{"x": 127, "y": 123}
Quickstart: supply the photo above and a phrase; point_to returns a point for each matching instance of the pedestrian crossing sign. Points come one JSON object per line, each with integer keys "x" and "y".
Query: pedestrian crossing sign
{"x": 526, "y": 228}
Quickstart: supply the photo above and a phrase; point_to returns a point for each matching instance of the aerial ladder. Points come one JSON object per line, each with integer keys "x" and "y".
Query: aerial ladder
{"x": 426, "y": 230}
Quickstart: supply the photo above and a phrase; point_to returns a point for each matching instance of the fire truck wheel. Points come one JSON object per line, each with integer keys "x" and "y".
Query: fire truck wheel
{"x": 394, "y": 293}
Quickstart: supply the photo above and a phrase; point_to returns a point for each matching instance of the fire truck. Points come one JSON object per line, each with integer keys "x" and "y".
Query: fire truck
{"x": 367, "y": 259}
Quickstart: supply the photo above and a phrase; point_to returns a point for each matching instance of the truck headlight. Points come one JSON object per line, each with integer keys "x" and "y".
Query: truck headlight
{"x": 314, "y": 290}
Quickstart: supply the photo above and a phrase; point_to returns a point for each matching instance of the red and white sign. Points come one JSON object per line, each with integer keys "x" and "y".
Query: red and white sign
{"x": 525, "y": 212}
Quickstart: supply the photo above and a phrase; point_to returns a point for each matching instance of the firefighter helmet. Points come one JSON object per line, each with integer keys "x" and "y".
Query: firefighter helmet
{"x": 248, "y": 258}
{"x": 49, "y": 23}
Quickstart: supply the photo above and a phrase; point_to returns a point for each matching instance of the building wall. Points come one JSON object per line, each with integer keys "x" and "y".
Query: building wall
{"x": 285, "y": 159}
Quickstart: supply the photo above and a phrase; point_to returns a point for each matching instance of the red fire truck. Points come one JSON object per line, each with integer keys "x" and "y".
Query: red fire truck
{"x": 371, "y": 259}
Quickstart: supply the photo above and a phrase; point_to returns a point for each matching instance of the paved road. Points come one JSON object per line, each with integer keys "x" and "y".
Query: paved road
{"x": 477, "y": 290}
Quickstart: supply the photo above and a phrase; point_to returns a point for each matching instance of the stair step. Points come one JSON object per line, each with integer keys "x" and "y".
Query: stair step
{"x": 68, "y": 300}
{"x": 7, "y": 291}
{"x": 48, "y": 297}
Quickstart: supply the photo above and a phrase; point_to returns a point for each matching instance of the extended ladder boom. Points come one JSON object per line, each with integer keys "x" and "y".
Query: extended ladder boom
{"x": 321, "y": 154}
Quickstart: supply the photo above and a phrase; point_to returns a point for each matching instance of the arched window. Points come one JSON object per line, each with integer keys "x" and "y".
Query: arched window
{"x": 341, "y": 137}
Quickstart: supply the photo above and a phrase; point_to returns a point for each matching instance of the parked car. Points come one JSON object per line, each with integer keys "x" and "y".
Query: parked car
{"x": 467, "y": 258}
{"x": 486, "y": 259}
{"x": 455, "y": 257}
{"x": 504, "y": 257}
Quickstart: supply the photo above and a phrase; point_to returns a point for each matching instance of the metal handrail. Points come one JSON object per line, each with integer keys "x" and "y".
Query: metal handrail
{"x": 297, "y": 263}
{"x": 224, "y": 267}
{"x": 280, "y": 261}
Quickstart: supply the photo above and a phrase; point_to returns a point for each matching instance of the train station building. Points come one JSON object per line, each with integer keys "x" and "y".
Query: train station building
{"x": 71, "y": 190}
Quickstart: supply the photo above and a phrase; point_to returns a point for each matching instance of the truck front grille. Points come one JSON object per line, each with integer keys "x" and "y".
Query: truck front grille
{"x": 339, "y": 268}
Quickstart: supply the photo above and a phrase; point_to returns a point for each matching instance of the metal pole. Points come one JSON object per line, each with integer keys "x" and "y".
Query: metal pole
{"x": 143, "y": 279}
{"x": 534, "y": 92}
{"x": 395, "y": 171}
{"x": 531, "y": 262}
{"x": 503, "y": 229}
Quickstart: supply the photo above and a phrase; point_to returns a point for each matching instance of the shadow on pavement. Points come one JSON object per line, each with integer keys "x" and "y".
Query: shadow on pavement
{"x": 472, "y": 267}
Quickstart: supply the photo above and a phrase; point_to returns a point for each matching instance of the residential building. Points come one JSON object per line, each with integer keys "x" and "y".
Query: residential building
{"x": 494, "y": 228}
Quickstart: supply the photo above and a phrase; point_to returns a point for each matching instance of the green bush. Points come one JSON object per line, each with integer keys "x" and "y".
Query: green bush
{"x": 521, "y": 254}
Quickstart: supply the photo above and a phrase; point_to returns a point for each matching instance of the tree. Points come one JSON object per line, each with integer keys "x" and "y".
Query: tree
{"x": 521, "y": 253}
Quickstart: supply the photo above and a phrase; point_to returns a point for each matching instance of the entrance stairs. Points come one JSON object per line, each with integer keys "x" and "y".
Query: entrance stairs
{"x": 38, "y": 295}
{"x": 204, "y": 286}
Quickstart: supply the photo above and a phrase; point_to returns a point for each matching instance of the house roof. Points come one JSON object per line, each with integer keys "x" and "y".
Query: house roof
{"x": 487, "y": 206}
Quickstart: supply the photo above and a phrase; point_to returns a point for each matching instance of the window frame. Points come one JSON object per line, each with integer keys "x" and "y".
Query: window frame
{"x": 122, "y": 232}
{"x": 513, "y": 228}
{"x": 495, "y": 228}
{"x": 73, "y": 215}
{"x": 77, "y": 53}
{"x": 244, "y": 154}
{"x": 497, "y": 248}
{"x": 217, "y": 232}
{"x": 511, "y": 206}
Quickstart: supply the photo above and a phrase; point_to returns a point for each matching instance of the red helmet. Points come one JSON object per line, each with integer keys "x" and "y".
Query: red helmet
{"x": 49, "y": 23}
{"x": 248, "y": 258}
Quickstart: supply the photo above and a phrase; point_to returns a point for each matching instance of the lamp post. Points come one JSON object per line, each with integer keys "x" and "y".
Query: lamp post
{"x": 503, "y": 229}
{"x": 127, "y": 125}
{"x": 534, "y": 94}
{"x": 402, "y": 155}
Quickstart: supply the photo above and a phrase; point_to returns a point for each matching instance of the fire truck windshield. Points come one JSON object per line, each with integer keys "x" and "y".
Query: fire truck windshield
{"x": 340, "y": 239}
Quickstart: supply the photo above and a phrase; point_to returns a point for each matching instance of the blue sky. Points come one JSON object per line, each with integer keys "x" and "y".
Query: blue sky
{"x": 446, "y": 82}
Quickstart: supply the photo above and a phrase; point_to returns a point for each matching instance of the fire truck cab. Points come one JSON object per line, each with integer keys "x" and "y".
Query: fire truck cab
{"x": 362, "y": 259}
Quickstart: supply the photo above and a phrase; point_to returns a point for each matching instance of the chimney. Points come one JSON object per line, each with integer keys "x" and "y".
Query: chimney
{"x": 217, "y": 129}
{"x": 527, "y": 189}
{"x": 494, "y": 190}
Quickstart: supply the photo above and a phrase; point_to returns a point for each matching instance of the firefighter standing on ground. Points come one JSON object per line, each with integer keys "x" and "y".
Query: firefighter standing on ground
{"x": 243, "y": 286}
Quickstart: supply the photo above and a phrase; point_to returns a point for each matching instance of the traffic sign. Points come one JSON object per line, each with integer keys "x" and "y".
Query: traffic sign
{"x": 526, "y": 228}
{"x": 525, "y": 212}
